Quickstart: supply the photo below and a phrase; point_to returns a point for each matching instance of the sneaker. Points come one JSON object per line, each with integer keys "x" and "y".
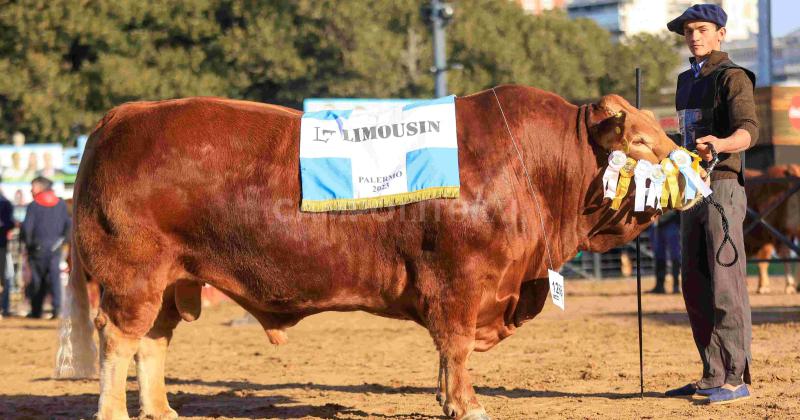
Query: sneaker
{"x": 684, "y": 391}
{"x": 702, "y": 394}
{"x": 726, "y": 396}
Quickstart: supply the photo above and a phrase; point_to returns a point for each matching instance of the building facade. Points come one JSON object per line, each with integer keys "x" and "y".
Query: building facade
{"x": 538, "y": 6}
{"x": 629, "y": 17}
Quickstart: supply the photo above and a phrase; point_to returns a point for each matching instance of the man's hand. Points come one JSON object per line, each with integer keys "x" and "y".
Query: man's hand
{"x": 702, "y": 147}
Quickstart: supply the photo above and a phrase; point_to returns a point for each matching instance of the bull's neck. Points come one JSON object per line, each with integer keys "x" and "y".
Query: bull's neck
{"x": 548, "y": 149}
{"x": 565, "y": 168}
{"x": 599, "y": 228}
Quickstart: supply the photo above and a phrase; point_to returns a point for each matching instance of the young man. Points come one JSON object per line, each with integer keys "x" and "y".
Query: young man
{"x": 716, "y": 108}
{"x": 44, "y": 230}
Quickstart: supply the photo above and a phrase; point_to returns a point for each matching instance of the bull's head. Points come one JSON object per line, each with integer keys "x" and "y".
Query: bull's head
{"x": 634, "y": 131}
{"x": 617, "y": 125}
{"x": 614, "y": 125}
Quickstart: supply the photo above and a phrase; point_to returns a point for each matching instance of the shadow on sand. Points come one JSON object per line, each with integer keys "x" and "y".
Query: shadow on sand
{"x": 223, "y": 404}
{"x": 237, "y": 399}
{"x": 761, "y": 315}
{"x": 384, "y": 389}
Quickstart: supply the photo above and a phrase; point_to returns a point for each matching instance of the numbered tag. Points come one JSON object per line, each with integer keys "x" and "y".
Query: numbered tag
{"x": 556, "y": 288}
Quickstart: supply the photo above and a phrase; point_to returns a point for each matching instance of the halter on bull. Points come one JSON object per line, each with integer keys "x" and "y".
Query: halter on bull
{"x": 174, "y": 194}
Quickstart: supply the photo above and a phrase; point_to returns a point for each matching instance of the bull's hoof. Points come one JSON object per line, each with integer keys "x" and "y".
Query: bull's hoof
{"x": 277, "y": 337}
{"x": 449, "y": 409}
{"x": 763, "y": 290}
{"x": 476, "y": 414}
{"x": 166, "y": 415}
{"x": 114, "y": 416}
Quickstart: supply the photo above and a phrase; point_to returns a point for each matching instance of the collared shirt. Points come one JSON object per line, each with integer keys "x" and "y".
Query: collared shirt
{"x": 697, "y": 67}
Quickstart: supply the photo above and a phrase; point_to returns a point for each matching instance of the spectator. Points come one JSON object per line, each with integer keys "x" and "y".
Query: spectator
{"x": 6, "y": 224}
{"x": 44, "y": 230}
{"x": 665, "y": 238}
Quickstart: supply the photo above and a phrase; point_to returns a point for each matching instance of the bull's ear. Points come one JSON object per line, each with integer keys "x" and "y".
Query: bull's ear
{"x": 609, "y": 132}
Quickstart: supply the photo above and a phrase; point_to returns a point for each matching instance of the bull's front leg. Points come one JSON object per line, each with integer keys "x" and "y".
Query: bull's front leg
{"x": 441, "y": 392}
{"x": 455, "y": 391}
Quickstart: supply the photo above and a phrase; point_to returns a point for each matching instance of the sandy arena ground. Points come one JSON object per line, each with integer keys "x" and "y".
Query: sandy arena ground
{"x": 582, "y": 363}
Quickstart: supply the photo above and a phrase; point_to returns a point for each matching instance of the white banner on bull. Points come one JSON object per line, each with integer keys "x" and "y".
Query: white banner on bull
{"x": 360, "y": 159}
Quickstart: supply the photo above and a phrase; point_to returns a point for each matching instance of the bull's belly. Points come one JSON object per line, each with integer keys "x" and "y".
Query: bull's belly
{"x": 305, "y": 291}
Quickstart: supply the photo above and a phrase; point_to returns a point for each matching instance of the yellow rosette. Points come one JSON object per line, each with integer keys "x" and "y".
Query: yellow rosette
{"x": 625, "y": 175}
{"x": 671, "y": 191}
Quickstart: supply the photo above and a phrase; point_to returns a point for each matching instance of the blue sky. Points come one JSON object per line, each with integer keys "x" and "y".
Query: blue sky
{"x": 785, "y": 16}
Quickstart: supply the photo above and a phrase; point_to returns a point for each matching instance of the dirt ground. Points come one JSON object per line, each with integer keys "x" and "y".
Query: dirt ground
{"x": 582, "y": 363}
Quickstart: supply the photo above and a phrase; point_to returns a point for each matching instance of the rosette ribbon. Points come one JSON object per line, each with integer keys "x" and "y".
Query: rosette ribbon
{"x": 671, "y": 191}
{"x": 616, "y": 160}
{"x": 657, "y": 179}
{"x": 640, "y": 176}
{"x": 683, "y": 160}
{"x": 625, "y": 174}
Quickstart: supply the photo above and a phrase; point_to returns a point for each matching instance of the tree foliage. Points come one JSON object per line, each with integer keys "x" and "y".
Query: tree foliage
{"x": 65, "y": 62}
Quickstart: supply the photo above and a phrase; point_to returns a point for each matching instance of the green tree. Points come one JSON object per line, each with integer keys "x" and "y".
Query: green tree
{"x": 496, "y": 43}
{"x": 654, "y": 54}
{"x": 66, "y": 62}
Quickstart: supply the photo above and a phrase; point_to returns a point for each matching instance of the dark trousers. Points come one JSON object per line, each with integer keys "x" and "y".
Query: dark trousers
{"x": 716, "y": 296}
{"x": 665, "y": 239}
{"x": 45, "y": 276}
{"x": 7, "y": 282}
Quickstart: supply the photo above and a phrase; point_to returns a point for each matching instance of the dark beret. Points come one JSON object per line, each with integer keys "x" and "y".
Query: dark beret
{"x": 703, "y": 12}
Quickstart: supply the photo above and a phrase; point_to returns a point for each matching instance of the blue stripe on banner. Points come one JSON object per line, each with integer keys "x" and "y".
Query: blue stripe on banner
{"x": 432, "y": 167}
{"x": 329, "y": 114}
{"x": 438, "y": 101}
{"x": 326, "y": 178}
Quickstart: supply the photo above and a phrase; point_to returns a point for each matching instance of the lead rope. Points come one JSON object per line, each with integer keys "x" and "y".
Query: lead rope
{"x": 528, "y": 178}
{"x": 725, "y": 226}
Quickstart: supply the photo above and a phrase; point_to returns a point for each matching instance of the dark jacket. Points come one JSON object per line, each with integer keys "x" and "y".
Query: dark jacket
{"x": 46, "y": 223}
{"x": 725, "y": 92}
{"x": 6, "y": 220}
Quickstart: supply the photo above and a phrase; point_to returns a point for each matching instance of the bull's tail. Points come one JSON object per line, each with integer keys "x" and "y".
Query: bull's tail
{"x": 77, "y": 352}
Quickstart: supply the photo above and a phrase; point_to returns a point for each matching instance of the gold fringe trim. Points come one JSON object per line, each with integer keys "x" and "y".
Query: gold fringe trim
{"x": 343, "y": 204}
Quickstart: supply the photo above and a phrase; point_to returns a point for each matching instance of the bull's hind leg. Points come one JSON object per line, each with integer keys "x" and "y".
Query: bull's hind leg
{"x": 152, "y": 354}
{"x": 790, "y": 288}
{"x": 763, "y": 268}
{"x": 116, "y": 351}
{"x": 123, "y": 319}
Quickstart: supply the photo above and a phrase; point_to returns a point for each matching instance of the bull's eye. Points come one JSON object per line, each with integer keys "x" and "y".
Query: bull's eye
{"x": 638, "y": 140}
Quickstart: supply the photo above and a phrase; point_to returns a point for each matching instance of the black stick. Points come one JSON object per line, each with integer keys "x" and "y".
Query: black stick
{"x": 639, "y": 259}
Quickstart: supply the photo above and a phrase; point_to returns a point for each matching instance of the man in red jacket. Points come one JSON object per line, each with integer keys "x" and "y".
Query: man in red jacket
{"x": 44, "y": 230}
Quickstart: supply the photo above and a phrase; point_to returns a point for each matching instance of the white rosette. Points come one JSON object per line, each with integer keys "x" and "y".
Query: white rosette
{"x": 640, "y": 176}
{"x": 616, "y": 160}
{"x": 657, "y": 179}
{"x": 694, "y": 183}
